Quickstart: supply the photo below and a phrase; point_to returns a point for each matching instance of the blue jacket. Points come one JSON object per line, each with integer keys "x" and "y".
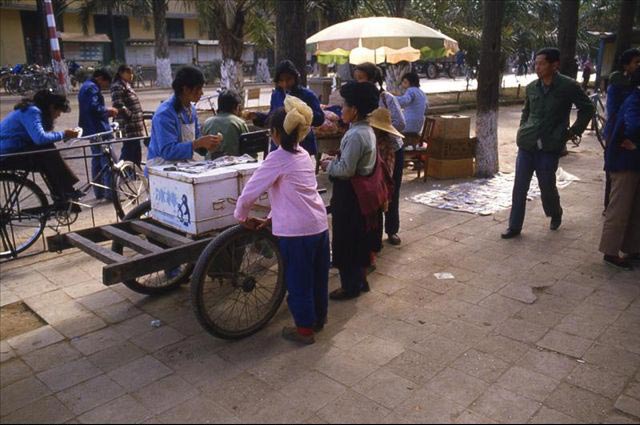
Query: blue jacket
{"x": 308, "y": 97}
{"x": 414, "y": 103}
{"x": 166, "y": 133}
{"x": 617, "y": 92}
{"x": 93, "y": 112}
{"x": 22, "y": 129}
{"x": 627, "y": 126}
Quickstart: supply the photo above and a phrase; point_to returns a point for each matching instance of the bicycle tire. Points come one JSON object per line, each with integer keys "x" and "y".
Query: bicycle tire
{"x": 598, "y": 124}
{"x": 218, "y": 261}
{"x": 163, "y": 283}
{"x": 5, "y": 215}
{"x": 126, "y": 189}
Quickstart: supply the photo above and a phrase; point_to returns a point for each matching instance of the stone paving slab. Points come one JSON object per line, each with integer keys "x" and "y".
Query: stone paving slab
{"x": 533, "y": 330}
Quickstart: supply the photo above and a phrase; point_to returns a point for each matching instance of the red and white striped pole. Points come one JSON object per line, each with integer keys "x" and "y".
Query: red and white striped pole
{"x": 59, "y": 67}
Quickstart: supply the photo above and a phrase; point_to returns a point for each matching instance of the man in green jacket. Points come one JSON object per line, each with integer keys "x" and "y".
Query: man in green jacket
{"x": 542, "y": 136}
{"x": 228, "y": 123}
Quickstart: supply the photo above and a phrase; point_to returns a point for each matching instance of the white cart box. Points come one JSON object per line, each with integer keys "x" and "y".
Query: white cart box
{"x": 198, "y": 203}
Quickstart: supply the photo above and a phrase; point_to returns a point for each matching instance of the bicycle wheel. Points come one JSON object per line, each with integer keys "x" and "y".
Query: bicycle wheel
{"x": 23, "y": 216}
{"x": 599, "y": 122}
{"x": 156, "y": 283}
{"x": 238, "y": 283}
{"x": 130, "y": 188}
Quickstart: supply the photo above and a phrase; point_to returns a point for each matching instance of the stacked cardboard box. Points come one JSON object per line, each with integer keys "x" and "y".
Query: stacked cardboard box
{"x": 451, "y": 150}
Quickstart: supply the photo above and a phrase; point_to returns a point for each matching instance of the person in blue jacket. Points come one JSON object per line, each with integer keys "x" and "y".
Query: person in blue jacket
{"x": 175, "y": 131}
{"x": 287, "y": 80}
{"x": 94, "y": 118}
{"x": 621, "y": 230}
{"x": 29, "y": 127}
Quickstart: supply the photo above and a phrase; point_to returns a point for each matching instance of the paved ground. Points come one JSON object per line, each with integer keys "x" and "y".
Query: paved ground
{"x": 531, "y": 330}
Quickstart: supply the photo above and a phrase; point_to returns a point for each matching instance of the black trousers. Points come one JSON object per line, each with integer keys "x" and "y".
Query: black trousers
{"x": 545, "y": 165}
{"x": 55, "y": 171}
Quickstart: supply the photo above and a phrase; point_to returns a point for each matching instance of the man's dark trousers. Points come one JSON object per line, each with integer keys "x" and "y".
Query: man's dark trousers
{"x": 545, "y": 164}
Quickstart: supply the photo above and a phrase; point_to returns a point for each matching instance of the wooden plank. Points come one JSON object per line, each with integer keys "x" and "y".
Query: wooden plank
{"x": 159, "y": 234}
{"x": 132, "y": 241}
{"x": 93, "y": 249}
{"x": 168, "y": 259}
{"x": 57, "y": 243}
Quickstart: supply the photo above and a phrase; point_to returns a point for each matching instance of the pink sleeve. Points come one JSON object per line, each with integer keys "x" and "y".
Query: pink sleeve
{"x": 263, "y": 178}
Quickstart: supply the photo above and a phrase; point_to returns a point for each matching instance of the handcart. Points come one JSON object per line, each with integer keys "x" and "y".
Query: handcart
{"x": 236, "y": 274}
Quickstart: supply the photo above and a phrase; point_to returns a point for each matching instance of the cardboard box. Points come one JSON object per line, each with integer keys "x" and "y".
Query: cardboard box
{"x": 450, "y": 127}
{"x": 451, "y": 168}
{"x": 452, "y": 148}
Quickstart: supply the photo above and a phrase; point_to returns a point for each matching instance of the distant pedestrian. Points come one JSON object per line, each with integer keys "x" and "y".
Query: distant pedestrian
{"x": 542, "y": 136}
{"x": 369, "y": 72}
{"x": 130, "y": 115}
{"x": 587, "y": 69}
{"x": 94, "y": 118}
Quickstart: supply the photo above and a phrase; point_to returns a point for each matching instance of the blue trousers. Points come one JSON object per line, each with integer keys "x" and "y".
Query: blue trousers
{"x": 545, "y": 165}
{"x": 100, "y": 173}
{"x": 306, "y": 271}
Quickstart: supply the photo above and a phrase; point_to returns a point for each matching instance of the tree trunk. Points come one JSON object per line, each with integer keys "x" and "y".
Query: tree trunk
{"x": 628, "y": 10}
{"x": 323, "y": 23}
{"x": 42, "y": 54}
{"x": 487, "y": 161}
{"x": 163, "y": 63}
{"x": 568, "y": 36}
{"x": 112, "y": 31}
{"x": 399, "y": 8}
{"x": 393, "y": 79}
{"x": 291, "y": 34}
{"x": 262, "y": 71}
{"x": 231, "y": 75}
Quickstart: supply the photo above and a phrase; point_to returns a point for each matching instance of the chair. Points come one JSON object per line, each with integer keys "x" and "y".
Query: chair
{"x": 254, "y": 143}
{"x": 417, "y": 154}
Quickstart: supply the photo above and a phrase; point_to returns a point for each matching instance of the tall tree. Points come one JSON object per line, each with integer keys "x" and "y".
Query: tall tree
{"x": 568, "y": 36}
{"x": 229, "y": 17}
{"x": 487, "y": 160}
{"x": 291, "y": 34}
{"x": 395, "y": 8}
{"x": 163, "y": 62}
{"x": 628, "y": 10}
{"x": 139, "y": 8}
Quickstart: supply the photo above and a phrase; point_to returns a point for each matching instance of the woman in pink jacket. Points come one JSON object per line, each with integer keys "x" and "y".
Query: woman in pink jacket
{"x": 298, "y": 218}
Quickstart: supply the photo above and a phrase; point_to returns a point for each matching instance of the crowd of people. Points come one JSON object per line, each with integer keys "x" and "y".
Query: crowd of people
{"x": 366, "y": 175}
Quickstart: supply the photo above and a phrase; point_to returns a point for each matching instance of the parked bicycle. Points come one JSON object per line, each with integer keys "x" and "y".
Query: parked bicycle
{"x": 25, "y": 210}
{"x": 599, "y": 116}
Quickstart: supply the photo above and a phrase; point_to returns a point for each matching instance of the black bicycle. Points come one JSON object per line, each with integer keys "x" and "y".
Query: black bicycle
{"x": 599, "y": 117}
{"x": 25, "y": 210}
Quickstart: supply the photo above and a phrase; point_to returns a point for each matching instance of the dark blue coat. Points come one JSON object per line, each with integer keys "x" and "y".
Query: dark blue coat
{"x": 627, "y": 126}
{"x": 308, "y": 97}
{"x": 93, "y": 112}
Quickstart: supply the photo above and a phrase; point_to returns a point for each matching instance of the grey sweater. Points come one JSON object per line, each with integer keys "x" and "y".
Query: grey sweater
{"x": 358, "y": 152}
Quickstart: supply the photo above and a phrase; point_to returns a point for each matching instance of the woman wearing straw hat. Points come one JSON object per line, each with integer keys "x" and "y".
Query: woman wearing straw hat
{"x": 386, "y": 136}
{"x": 373, "y": 74}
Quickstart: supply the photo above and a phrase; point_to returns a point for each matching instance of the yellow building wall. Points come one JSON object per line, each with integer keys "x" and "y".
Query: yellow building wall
{"x": 12, "y": 50}
{"x": 137, "y": 29}
{"x": 192, "y": 29}
{"x": 72, "y": 23}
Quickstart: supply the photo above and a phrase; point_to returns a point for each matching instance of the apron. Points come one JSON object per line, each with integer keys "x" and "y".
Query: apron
{"x": 187, "y": 133}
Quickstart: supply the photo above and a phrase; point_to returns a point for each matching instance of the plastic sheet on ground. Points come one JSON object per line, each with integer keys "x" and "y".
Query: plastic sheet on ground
{"x": 484, "y": 196}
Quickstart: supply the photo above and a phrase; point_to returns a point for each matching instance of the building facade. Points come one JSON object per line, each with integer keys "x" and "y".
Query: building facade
{"x": 132, "y": 40}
